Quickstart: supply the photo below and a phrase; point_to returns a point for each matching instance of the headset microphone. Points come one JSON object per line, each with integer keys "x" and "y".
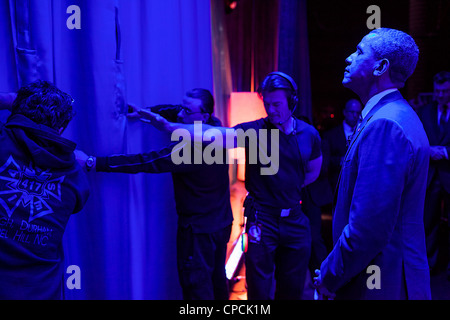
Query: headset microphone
{"x": 292, "y": 113}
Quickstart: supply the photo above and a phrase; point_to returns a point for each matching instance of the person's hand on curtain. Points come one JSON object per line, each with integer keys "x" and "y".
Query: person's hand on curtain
{"x": 133, "y": 112}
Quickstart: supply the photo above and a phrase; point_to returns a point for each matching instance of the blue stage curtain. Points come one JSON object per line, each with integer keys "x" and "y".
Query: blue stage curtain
{"x": 136, "y": 51}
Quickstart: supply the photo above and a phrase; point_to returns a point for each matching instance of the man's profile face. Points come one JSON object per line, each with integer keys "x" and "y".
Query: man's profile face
{"x": 276, "y": 105}
{"x": 442, "y": 93}
{"x": 191, "y": 111}
{"x": 360, "y": 65}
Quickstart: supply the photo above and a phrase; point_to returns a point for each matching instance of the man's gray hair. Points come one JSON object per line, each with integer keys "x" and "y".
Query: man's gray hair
{"x": 400, "y": 49}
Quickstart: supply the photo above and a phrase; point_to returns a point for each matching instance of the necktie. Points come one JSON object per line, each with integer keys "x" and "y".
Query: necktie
{"x": 355, "y": 129}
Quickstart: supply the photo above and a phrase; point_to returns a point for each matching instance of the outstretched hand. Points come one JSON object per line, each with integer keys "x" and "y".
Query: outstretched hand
{"x": 81, "y": 157}
{"x": 154, "y": 119}
{"x": 323, "y": 292}
{"x": 133, "y": 112}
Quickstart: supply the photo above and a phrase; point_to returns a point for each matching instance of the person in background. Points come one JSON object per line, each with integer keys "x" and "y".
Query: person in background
{"x": 336, "y": 139}
{"x": 435, "y": 119}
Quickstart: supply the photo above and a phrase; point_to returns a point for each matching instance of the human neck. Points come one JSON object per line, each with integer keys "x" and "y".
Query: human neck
{"x": 376, "y": 88}
{"x": 288, "y": 126}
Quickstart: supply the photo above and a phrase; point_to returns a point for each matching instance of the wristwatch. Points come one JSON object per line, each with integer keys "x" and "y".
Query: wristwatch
{"x": 90, "y": 163}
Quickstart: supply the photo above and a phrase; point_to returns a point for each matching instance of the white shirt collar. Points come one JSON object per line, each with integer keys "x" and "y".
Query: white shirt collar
{"x": 374, "y": 100}
{"x": 347, "y": 129}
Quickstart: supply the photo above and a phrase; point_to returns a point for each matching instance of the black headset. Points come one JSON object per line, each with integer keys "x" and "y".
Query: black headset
{"x": 293, "y": 99}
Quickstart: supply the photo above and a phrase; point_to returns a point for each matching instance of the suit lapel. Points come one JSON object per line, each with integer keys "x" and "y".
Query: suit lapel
{"x": 384, "y": 101}
{"x": 432, "y": 124}
{"x": 447, "y": 132}
{"x": 444, "y": 139}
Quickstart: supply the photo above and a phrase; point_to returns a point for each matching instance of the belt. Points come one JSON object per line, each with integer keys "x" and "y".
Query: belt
{"x": 277, "y": 211}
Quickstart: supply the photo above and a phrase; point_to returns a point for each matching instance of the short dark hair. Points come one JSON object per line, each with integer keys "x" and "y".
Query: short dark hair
{"x": 441, "y": 77}
{"x": 279, "y": 81}
{"x": 44, "y": 103}
{"x": 274, "y": 82}
{"x": 205, "y": 97}
{"x": 401, "y": 51}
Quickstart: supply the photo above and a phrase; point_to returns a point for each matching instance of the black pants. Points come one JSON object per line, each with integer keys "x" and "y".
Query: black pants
{"x": 201, "y": 264}
{"x": 319, "y": 250}
{"x": 435, "y": 196}
{"x": 281, "y": 255}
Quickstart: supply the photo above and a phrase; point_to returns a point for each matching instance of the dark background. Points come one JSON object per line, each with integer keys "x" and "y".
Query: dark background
{"x": 334, "y": 28}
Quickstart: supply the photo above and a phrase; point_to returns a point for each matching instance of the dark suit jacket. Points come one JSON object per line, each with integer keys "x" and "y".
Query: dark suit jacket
{"x": 378, "y": 218}
{"x": 335, "y": 141}
{"x": 428, "y": 115}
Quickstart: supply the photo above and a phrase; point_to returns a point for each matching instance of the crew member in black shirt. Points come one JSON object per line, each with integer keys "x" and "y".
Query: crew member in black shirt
{"x": 202, "y": 197}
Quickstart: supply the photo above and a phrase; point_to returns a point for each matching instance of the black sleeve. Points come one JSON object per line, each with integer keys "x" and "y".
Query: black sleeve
{"x": 242, "y": 129}
{"x": 151, "y": 162}
{"x": 168, "y": 111}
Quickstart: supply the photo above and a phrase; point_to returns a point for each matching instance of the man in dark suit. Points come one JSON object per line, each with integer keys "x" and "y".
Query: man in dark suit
{"x": 379, "y": 242}
{"x": 435, "y": 119}
{"x": 337, "y": 138}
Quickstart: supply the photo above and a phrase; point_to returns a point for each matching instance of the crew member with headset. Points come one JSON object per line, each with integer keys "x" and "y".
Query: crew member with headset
{"x": 278, "y": 231}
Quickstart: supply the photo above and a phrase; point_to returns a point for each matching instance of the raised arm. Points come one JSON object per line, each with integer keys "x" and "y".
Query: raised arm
{"x": 219, "y": 136}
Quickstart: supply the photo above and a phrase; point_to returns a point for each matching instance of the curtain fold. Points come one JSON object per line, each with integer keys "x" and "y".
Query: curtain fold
{"x": 140, "y": 52}
{"x": 221, "y": 61}
{"x": 294, "y": 51}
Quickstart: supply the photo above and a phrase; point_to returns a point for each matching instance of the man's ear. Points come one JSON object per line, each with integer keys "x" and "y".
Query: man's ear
{"x": 381, "y": 67}
{"x": 206, "y": 117}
